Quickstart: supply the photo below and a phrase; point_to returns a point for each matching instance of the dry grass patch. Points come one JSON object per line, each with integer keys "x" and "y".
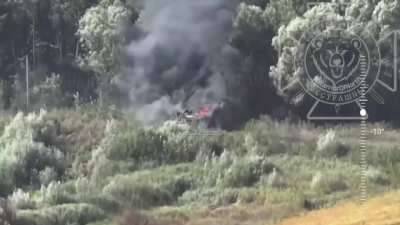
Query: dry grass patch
{"x": 383, "y": 210}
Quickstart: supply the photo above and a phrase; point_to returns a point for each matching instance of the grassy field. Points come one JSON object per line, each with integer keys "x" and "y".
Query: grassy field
{"x": 98, "y": 167}
{"x": 384, "y": 210}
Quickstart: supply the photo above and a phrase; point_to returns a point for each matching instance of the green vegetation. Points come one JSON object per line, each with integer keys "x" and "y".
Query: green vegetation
{"x": 81, "y": 51}
{"x": 167, "y": 175}
{"x": 88, "y": 88}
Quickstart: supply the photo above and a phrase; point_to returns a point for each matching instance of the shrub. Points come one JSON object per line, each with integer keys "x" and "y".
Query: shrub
{"x": 377, "y": 177}
{"x": 181, "y": 143}
{"x": 251, "y": 144}
{"x": 151, "y": 188}
{"x": 141, "y": 145}
{"x": 122, "y": 144}
{"x": 84, "y": 187}
{"x": 126, "y": 148}
{"x": 47, "y": 175}
{"x": 21, "y": 157}
{"x": 267, "y": 137}
{"x": 324, "y": 140}
{"x": 200, "y": 196}
{"x": 329, "y": 146}
{"x": 4, "y": 121}
{"x": 226, "y": 196}
{"x": 7, "y": 212}
{"x": 230, "y": 170}
{"x": 137, "y": 195}
{"x": 84, "y": 190}
{"x": 53, "y": 194}
{"x": 101, "y": 167}
{"x": 275, "y": 179}
{"x": 60, "y": 215}
{"x": 242, "y": 173}
{"x": 46, "y": 92}
{"x": 77, "y": 131}
{"x": 21, "y": 200}
{"x": 336, "y": 149}
{"x": 214, "y": 195}
{"x": 329, "y": 183}
{"x": 251, "y": 194}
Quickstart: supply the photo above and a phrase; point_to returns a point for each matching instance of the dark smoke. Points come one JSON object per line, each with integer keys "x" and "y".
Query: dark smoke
{"x": 182, "y": 59}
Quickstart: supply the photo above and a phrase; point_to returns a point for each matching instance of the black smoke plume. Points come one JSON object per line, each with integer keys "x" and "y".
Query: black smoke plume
{"x": 179, "y": 57}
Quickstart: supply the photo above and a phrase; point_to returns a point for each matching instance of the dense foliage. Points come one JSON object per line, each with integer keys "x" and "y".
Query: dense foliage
{"x": 74, "y": 150}
{"x": 91, "y": 165}
{"x": 82, "y": 44}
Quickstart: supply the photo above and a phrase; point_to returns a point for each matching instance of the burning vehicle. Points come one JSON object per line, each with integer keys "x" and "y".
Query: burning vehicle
{"x": 205, "y": 117}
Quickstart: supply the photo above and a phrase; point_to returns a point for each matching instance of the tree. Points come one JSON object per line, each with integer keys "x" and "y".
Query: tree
{"x": 100, "y": 32}
{"x": 376, "y": 18}
{"x": 255, "y": 25}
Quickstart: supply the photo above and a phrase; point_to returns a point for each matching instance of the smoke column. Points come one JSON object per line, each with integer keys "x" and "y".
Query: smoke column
{"x": 182, "y": 59}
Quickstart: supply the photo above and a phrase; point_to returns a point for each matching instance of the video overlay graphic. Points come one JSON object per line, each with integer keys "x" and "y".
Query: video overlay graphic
{"x": 342, "y": 66}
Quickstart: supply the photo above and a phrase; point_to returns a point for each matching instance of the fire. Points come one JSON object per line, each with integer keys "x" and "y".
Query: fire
{"x": 203, "y": 112}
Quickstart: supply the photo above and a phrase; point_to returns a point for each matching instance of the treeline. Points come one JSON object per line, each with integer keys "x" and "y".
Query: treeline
{"x": 40, "y": 37}
{"x": 73, "y": 50}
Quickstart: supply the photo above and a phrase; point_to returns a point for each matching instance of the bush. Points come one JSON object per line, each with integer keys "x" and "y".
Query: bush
{"x": 47, "y": 175}
{"x": 87, "y": 191}
{"x": 76, "y": 133}
{"x": 21, "y": 157}
{"x": 329, "y": 183}
{"x": 329, "y": 146}
{"x": 275, "y": 179}
{"x": 151, "y": 188}
{"x": 125, "y": 143}
{"x": 377, "y": 177}
{"x": 21, "y": 200}
{"x": 230, "y": 170}
{"x": 214, "y": 195}
{"x": 46, "y": 92}
{"x": 7, "y": 212}
{"x": 325, "y": 140}
{"x": 244, "y": 172}
{"x": 126, "y": 148}
{"x": 180, "y": 143}
{"x": 55, "y": 193}
{"x": 60, "y": 215}
{"x": 266, "y": 137}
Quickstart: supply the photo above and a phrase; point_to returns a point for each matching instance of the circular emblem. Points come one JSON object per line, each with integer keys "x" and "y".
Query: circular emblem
{"x": 338, "y": 66}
